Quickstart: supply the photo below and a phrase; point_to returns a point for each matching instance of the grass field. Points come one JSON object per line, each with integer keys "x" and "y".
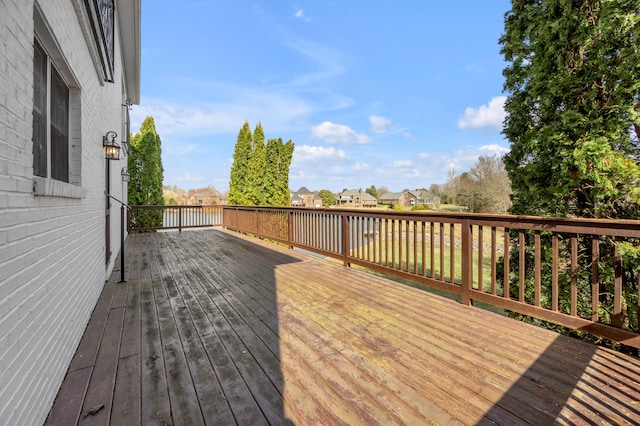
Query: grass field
{"x": 394, "y": 253}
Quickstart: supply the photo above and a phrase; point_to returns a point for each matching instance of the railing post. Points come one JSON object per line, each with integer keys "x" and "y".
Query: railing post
{"x": 180, "y": 219}
{"x": 467, "y": 262}
{"x": 122, "y": 280}
{"x": 345, "y": 239}
{"x": 290, "y": 228}
{"x": 257, "y": 223}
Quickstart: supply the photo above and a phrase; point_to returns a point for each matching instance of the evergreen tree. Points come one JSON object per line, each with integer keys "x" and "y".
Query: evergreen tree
{"x": 257, "y": 165}
{"x": 240, "y": 181}
{"x": 573, "y": 109}
{"x": 146, "y": 173}
{"x": 276, "y": 180}
{"x": 573, "y": 120}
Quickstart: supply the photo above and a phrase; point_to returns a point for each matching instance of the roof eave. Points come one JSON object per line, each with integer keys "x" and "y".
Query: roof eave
{"x": 129, "y": 12}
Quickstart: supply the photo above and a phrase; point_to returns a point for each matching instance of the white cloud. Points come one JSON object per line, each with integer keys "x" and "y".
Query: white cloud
{"x": 495, "y": 148}
{"x": 276, "y": 111}
{"x": 379, "y": 124}
{"x": 491, "y": 115}
{"x": 187, "y": 178}
{"x": 338, "y": 134}
{"x": 300, "y": 15}
{"x": 179, "y": 149}
{"x": 361, "y": 166}
{"x": 331, "y": 168}
{"x": 329, "y": 62}
{"x": 306, "y": 153}
{"x": 319, "y": 167}
{"x": 402, "y": 163}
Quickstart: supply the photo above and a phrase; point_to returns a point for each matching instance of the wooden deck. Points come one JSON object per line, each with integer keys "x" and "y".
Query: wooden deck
{"x": 217, "y": 328}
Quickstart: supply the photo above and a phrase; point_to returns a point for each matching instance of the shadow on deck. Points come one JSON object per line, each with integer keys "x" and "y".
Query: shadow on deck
{"x": 216, "y": 328}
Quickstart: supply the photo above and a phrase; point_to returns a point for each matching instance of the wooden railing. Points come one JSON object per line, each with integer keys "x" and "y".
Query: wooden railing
{"x": 150, "y": 218}
{"x": 571, "y": 272}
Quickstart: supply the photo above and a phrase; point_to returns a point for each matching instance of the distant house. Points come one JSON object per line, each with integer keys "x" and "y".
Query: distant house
{"x": 207, "y": 199}
{"x": 356, "y": 198}
{"x": 409, "y": 198}
{"x": 305, "y": 198}
{"x": 391, "y": 198}
{"x": 69, "y": 71}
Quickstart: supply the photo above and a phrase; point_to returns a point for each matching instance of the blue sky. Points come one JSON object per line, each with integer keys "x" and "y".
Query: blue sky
{"x": 371, "y": 92}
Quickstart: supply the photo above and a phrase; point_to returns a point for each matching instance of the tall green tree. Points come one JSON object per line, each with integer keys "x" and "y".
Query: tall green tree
{"x": 240, "y": 174}
{"x": 257, "y": 165}
{"x": 276, "y": 180}
{"x": 573, "y": 112}
{"x": 146, "y": 173}
{"x": 372, "y": 191}
{"x": 328, "y": 197}
{"x": 573, "y": 120}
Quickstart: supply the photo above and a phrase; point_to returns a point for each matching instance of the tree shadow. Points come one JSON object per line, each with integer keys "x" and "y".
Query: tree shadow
{"x": 572, "y": 382}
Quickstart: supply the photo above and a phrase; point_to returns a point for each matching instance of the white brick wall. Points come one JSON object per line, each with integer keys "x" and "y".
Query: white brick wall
{"x": 52, "y": 248}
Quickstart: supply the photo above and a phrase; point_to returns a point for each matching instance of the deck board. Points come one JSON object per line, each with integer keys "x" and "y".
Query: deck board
{"x": 217, "y": 328}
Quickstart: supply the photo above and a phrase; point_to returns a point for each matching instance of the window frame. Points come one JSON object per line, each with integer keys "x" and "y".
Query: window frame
{"x": 50, "y": 184}
{"x": 55, "y": 123}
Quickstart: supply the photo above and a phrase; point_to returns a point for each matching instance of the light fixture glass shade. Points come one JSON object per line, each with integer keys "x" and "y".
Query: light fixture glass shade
{"x": 111, "y": 148}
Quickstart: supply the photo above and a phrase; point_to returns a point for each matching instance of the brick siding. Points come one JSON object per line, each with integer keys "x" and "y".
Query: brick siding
{"x": 52, "y": 248}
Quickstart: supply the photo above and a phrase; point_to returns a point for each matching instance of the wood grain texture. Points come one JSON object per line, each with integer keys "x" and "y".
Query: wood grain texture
{"x": 213, "y": 327}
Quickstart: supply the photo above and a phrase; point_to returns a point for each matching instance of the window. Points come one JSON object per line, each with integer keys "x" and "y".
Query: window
{"x": 50, "y": 119}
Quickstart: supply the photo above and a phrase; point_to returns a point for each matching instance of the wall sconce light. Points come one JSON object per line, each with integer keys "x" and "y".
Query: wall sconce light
{"x": 111, "y": 148}
{"x": 125, "y": 174}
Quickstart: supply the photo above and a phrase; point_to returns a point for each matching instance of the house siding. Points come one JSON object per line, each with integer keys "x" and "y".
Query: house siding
{"x": 52, "y": 248}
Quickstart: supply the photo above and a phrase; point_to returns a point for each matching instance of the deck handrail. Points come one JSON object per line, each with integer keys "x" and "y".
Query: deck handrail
{"x": 548, "y": 268}
{"x": 151, "y": 218}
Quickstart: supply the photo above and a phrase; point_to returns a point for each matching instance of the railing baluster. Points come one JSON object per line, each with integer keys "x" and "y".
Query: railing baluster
{"x": 554, "y": 274}
{"x": 432, "y": 260}
{"x": 506, "y": 284}
{"x": 452, "y": 253}
{"x": 442, "y": 251}
{"x": 494, "y": 260}
{"x": 595, "y": 278}
{"x": 537, "y": 269}
{"x": 466, "y": 236}
{"x": 480, "y": 258}
{"x": 617, "y": 287}
{"x": 423, "y": 237}
{"x": 400, "y": 250}
{"x": 393, "y": 243}
{"x": 521, "y": 266}
{"x": 574, "y": 275}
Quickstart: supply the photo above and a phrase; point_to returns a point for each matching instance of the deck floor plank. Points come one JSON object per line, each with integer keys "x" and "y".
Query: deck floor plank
{"x": 155, "y": 405}
{"x": 182, "y": 394}
{"x": 220, "y": 328}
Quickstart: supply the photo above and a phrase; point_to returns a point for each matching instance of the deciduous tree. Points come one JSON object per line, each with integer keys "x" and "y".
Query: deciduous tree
{"x": 328, "y": 197}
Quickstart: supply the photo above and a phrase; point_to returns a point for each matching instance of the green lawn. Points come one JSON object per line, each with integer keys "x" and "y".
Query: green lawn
{"x": 397, "y": 257}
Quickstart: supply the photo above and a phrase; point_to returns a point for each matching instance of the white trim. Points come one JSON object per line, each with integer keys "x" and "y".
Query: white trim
{"x": 83, "y": 20}
{"x": 44, "y": 36}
